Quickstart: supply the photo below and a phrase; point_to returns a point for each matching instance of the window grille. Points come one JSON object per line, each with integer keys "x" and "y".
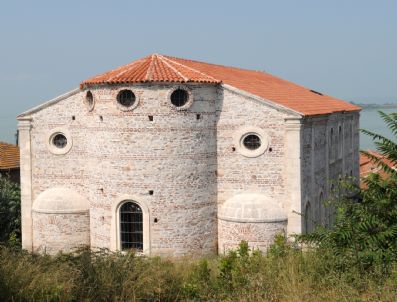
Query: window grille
{"x": 131, "y": 226}
{"x": 252, "y": 142}
{"x": 60, "y": 141}
{"x": 179, "y": 97}
{"x": 126, "y": 98}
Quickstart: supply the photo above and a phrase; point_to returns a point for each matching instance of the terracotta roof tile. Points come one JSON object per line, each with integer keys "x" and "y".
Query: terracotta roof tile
{"x": 159, "y": 68}
{"x": 367, "y": 165}
{"x": 9, "y": 156}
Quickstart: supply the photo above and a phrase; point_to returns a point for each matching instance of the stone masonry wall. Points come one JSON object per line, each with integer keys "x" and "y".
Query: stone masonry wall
{"x": 258, "y": 235}
{"x": 119, "y": 153}
{"x": 187, "y": 160}
{"x": 56, "y": 232}
{"x": 330, "y": 146}
{"x": 237, "y": 173}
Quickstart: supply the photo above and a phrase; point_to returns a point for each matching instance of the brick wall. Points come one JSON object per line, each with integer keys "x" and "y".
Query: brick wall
{"x": 117, "y": 153}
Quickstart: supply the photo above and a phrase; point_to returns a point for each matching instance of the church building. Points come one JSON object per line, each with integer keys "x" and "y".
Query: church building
{"x": 171, "y": 156}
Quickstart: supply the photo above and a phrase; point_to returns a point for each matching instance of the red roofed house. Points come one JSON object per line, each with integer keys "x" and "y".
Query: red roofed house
{"x": 368, "y": 166}
{"x": 9, "y": 161}
{"x": 172, "y": 156}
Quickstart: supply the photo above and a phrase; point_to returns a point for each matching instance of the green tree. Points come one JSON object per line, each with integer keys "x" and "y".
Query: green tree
{"x": 385, "y": 146}
{"x": 10, "y": 210}
{"x": 364, "y": 234}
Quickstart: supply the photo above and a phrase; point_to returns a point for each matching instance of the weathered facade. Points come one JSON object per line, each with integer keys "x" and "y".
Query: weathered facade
{"x": 156, "y": 150}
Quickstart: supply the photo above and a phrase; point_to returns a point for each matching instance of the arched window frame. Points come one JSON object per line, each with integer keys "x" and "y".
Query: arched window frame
{"x": 308, "y": 218}
{"x": 131, "y": 226}
{"x": 351, "y": 136}
{"x": 321, "y": 213}
{"x": 331, "y": 145}
{"x": 115, "y": 238}
{"x": 340, "y": 141}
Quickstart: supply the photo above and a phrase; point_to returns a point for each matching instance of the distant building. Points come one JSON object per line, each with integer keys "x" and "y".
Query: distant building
{"x": 172, "y": 157}
{"x": 9, "y": 161}
{"x": 368, "y": 166}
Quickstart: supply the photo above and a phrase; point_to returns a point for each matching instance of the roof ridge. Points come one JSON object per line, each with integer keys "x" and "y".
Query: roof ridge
{"x": 149, "y": 71}
{"x": 127, "y": 68}
{"x": 268, "y": 87}
{"x": 191, "y": 68}
{"x": 220, "y": 65}
{"x": 174, "y": 69}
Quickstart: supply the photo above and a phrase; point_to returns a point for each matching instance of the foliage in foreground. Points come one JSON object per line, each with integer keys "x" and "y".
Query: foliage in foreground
{"x": 284, "y": 274}
{"x": 364, "y": 234}
{"x": 10, "y": 210}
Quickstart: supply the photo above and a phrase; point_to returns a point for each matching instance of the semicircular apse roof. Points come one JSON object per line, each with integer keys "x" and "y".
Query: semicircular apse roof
{"x": 60, "y": 200}
{"x": 251, "y": 207}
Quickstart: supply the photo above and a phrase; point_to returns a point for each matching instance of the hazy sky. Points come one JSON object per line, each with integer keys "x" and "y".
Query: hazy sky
{"x": 344, "y": 48}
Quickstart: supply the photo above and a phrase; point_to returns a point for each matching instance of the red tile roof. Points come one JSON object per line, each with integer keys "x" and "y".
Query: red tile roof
{"x": 368, "y": 166}
{"x": 9, "y": 156}
{"x": 159, "y": 68}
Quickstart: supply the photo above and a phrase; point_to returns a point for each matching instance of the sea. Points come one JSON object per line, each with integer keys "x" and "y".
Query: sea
{"x": 371, "y": 120}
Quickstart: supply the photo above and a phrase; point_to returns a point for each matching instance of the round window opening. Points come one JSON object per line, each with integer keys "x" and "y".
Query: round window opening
{"x": 252, "y": 142}
{"x": 60, "y": 141}
{"x": 89, "y": 98}
{"x": 126, "y": 98}
{"x": 179, "y": 98}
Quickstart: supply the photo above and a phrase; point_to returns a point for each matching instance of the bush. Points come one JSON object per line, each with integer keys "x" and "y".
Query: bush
{"x": 285, "y": 273}
{"x": 364, "y": 235}
{"x": 10, "y": 211}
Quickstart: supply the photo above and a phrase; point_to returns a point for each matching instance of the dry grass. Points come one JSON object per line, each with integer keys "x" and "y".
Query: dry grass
{"x": 282, "y": 275}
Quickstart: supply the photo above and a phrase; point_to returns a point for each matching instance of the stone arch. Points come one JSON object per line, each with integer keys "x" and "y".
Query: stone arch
{"x": 115, "y": 243}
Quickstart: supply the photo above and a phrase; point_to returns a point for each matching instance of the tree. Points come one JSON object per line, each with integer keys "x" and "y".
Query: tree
{"x": 364, "y": 234}
{"x": 10, "y": 210}
{"x": 385, "y": 146}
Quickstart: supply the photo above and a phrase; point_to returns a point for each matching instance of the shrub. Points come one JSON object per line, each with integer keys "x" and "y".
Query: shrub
{"x": 10, "y": 210}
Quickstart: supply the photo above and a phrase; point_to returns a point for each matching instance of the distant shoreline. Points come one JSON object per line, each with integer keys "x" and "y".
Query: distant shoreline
{"x": 377, "y": 106}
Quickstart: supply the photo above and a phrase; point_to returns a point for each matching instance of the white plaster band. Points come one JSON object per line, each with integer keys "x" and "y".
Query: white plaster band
{"x": 63, "y": 211}
{"x": 251, "y": 220}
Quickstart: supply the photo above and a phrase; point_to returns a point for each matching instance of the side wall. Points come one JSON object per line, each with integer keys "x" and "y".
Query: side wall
{"x": 330, "y": 152}
{"x": 265, "y": 174}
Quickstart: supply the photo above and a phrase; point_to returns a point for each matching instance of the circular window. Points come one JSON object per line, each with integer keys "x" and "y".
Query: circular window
{"x": 126, "y": 98}
{"x": 59, "y": 141}
{"x": 251, "y": 141}
{"x": 181, "y": 98}
{"x": 89, "y": 100}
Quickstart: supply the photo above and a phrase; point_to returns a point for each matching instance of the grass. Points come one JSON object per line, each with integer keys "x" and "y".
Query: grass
{"x": 284, "y": 274}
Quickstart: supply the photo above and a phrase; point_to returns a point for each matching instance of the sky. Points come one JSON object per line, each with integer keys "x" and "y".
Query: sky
{"x": 344, "y": 48}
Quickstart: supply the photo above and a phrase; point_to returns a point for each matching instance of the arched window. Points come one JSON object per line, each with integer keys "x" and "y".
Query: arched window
{"x": 331, "y": 146}
{"x": 340, "y": 142}
{"x": 308, "y": 218}
{"x": 131, "y": 226}
{"x": 321, "y": 213}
